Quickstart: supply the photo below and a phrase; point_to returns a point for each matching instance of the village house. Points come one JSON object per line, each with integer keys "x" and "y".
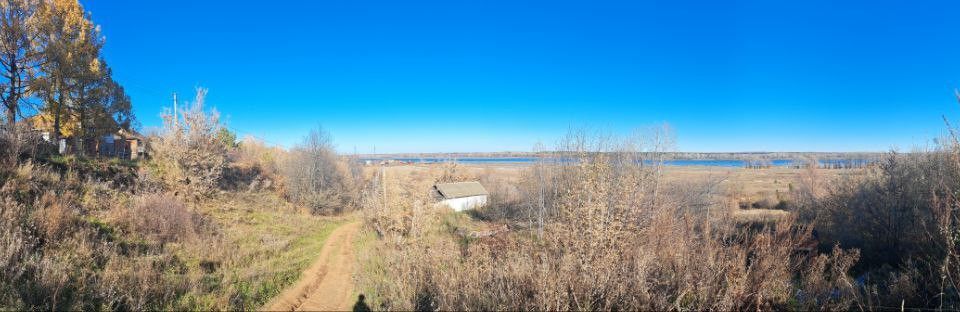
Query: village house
{"x": 122, "y": 143}
{"x": 462, "y": 196}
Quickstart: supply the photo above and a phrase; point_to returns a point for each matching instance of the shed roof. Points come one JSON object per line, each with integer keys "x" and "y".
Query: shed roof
{"x": 461, "y": 189}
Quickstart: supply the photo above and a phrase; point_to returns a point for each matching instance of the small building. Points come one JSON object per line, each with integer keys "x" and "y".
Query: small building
{"x": 462, "y": 195}
{"x": 122, "y": 144}
{"x": 119, "y": 143}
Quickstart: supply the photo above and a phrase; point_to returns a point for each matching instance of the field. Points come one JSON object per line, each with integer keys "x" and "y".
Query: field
{"x": 737, "y": 185}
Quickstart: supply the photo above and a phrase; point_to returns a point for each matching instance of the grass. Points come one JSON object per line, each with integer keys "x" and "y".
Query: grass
{"x": 267, "y": 243}
{"x": 74, "y": 161}
{"x": 371, "y": 266}
{"x": 751, "y": 183}
{"x": 759, "y": 215}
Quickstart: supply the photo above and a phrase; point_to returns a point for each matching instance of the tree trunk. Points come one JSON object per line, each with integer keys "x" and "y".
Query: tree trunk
{"x": 11, "y": 107}
{"x": 58, "y": 104}
{"x": 13, "y": 98}
{"x": 81, "y": 133}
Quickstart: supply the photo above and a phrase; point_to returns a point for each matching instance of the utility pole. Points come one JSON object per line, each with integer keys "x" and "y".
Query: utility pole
{"x": 176, "y": 119}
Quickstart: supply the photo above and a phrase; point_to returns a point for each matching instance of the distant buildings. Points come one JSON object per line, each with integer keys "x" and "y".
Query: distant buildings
{"x": 462, "y": 196}
{"x": 125, "y": 144}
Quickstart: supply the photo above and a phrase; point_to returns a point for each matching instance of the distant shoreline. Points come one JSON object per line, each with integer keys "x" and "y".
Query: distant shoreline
{"x": 727, "y": 156}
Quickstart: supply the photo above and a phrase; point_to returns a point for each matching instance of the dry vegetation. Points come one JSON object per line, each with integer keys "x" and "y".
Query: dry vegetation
{"x": 203, "y": 224}
{"x": 318, "y": 179}
{"x": 208, "y": 223}
{"x": 606, "y": 233}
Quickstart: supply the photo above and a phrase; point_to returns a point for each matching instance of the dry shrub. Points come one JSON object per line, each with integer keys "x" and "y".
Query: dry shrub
{"x": 163, "y": 218}
{"x": 316, "y": 177}
{"x": 59, "y": 251}
{"x": 902, "y": 214}
{"x": 18, "y": 141}
{"x": 504, "y": 195}
{"x": 252, "y": 166}
{"x": 394, "y": 206}
{"x": 188, "y": 154}
{"x": 45, "y": 245}
{"x": 454, "y": 172}
{"x": 54, "y": 215}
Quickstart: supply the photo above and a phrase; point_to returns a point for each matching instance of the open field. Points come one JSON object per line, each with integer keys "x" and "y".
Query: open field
{"x": 741, "y": 183}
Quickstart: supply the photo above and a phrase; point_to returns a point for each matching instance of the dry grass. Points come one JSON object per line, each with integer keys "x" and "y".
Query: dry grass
{"x": 885, "y": 237}
{"x": 70, "y": 242}
{"x": 601, "y": 245}
{"x": 265, "y": 242}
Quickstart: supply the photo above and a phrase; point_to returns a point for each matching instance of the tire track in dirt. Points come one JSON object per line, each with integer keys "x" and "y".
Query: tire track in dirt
{"x": 327, "y": 285}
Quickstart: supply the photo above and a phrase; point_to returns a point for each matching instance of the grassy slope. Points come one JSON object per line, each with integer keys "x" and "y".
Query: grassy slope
{"x": 266, "y": 243}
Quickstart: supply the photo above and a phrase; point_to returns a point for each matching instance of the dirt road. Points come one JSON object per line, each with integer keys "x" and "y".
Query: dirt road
{"x": 327, "y": 284}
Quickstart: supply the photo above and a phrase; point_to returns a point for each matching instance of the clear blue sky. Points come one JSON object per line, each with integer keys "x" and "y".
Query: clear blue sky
{"x": 447, "y": 75}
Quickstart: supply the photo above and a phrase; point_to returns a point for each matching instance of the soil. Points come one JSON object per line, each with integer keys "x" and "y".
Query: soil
{"x": 327, "y": 285}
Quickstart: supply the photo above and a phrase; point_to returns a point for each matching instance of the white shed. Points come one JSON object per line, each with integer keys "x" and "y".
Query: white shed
{"x": 462, "y": 195}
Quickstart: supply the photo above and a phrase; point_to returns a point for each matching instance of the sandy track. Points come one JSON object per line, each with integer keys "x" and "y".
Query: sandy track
{"x": 327, "y": 285}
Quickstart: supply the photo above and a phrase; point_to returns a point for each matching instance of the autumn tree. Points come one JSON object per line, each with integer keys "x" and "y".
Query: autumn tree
{"x": 117, "y": 106}
{"x": 50, "y": 54}
{"x": 70, "y": 44}
{"x": 18, "y": 54}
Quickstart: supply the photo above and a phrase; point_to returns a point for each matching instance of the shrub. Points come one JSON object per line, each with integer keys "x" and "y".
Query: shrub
{"x": 252, "y": 166}
{"x": 19, "y": 142}
{"x": 316, "y": 177}
{"x": 163, "y": 218}
{"x": 900, "y": 213}
{"x": 189, "y": 153}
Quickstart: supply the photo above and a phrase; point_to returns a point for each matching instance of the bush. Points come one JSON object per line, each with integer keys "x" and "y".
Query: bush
{"x": 316, "y": 177}
{"x": 56, "y": 255}
{"x": 900, "y": 214}
{"x": 18, "y": 142}
{"x": 189, "y": 153}
{"x": 252, "y": 166}
{"x": 163, "y": 218}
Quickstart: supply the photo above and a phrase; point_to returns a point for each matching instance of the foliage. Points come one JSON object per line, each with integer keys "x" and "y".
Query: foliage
{"x": 19, "y": 28}
{"x": 188, "y": 155}
{"x": 900, "y": 214}
{"x": 52, "y": 65}
{"x": 252, "y": 166}
{"x": 227, "y": 138}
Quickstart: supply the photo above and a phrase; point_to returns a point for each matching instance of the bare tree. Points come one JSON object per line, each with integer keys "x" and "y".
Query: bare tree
{"x": 317, "y": 177}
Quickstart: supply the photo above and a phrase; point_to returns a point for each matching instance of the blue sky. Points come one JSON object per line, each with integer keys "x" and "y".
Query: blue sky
{"x": 470, "y": 76}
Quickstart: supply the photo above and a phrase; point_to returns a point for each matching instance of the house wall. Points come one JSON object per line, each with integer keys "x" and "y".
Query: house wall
{"x": 465, "y": 203}
{"x": 134, "y": 149}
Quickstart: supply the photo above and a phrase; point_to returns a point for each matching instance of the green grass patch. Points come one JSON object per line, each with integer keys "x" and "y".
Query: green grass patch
{"x": 266, "y": 243}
